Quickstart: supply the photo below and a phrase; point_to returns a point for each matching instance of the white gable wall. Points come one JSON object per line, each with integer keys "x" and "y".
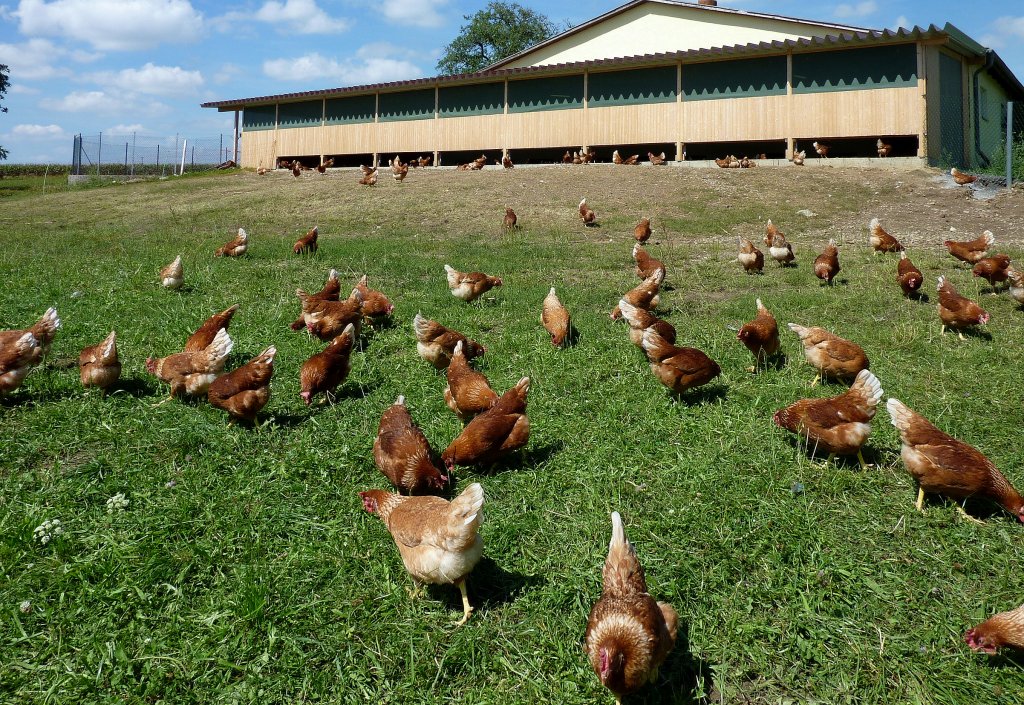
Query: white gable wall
{"x": 655, "y": 27}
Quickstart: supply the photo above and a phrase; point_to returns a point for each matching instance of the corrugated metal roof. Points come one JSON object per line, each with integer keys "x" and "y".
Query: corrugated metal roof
{"x": 677, "y": 3}
{"x": 860, "y": 38}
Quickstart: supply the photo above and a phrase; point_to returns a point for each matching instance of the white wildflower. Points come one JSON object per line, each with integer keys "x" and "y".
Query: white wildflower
{"x": 25, "y": 607}
{"x": 48, "y": 530}
{"x": 117, "y": 503}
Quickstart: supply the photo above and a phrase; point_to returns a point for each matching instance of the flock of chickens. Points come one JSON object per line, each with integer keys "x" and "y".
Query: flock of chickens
{"x": 628, "y": 634}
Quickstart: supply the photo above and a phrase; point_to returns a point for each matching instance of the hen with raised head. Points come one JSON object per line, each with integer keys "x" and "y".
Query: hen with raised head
{"x": 468, "y": 392}
{"x": 760, "y": 336}
{"x": 1005, "y": 629}
{"x": 778, "y": 247}
{"x": 436, "y": 344}
{"x": 750, "y": 257}
{"x": 193, "y": 372}
{"x": 642, "y": 230}
{"x": 958, "y": 312}
{"x": 439, "y": 541}
{"x": 679, "y": 369}
{"x": 99, "y": 365}
{"x": 994, "y": 270}
{"x": 246, "y": 390}
{"x": 235, "y": 247}
{"x": 629, "y": 635}
{"x": 833, "y": 357}
{"x": 555, "y": 319}
{"x": 497, "y": 431}
{"x": 469, "y": 286}
{"x": 510, "y": 221}
{"x": 837, "y": 426}
{"x": 403, "y": 454}
{"x": 321, "y": 373}
{"x": 943, "y": 465}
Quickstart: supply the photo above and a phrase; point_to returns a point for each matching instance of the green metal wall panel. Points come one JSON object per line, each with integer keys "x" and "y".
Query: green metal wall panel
{"x": 553, "y": 93}
{"x": 855, "y": 69}
{"x": 740, "y": 78}
{"x": 306, "y": 114}
{"x": 951, "y": 111}
{"x": 654, "y": 85}
{"x": 479, "y": 99}
{"x": 360, "y": 108}
{"x": 407, "y": 105}
{"x": 258, "y": 117}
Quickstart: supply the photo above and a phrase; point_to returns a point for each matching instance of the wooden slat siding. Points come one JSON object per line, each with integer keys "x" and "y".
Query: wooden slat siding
{"x": 351, "y": 138}
{"x": 790, "y": 141}
{"x": 258, "y": 149}
{"x": 553, "y": 128}
{"x": 303, "y": 142}
{"x": 406, "y": 136}
{"x": 633, "y": 124}
{"x": 735, "y": 120}
{"x": 476, "y": 132}
{"x": 867, "y": 113}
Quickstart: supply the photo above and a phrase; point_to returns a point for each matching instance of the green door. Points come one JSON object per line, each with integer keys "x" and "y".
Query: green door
{"x": 951, "y": 120}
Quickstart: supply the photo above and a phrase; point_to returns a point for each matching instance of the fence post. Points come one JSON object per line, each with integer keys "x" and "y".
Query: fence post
{"x": 1009, "y": 144}
{"x": 126, "y": 159}
{"x": 99, "y": 155}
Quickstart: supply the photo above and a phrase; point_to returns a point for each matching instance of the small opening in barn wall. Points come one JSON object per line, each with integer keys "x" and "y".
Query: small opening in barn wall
{"x": 604, "y": 151}
{"x": 542, "y": 155}
{"x": 349, "y": 160}
{"x": 410, "y": 158}
{"x": 860, "y": 147}
{"x": 467, "y": 155}
{"x": 771, "y": 149}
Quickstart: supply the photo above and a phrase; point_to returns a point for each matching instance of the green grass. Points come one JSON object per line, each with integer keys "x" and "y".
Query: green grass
{"x": 244, "y": 569}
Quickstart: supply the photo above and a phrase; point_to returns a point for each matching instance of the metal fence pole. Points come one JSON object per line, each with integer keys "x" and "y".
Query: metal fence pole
{"x": 1009, "y": 144}
{"x": 126, "y": 159}
{"x": 99, "y": 155}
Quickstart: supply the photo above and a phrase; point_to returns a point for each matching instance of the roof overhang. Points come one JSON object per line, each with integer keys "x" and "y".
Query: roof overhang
{"x": 949, "y": 34}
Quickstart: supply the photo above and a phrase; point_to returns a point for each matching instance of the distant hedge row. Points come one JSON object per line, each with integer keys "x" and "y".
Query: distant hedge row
{"x": 34, "y": 170}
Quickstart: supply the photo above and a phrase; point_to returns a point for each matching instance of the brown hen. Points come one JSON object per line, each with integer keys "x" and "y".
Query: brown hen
{"x": 403, "y": 454}
{"x": 640, "y": 320}
{"x": 468, "y": 392}
{"x": 246, "y": 390}
{"x": 307, "y": 244}
{"x": 1005, "y": 629}
{"x": 679, "y": 369}
{"x": 436, "y": 344}
{"x": 321, "y": 373}
{"x": 956, "y": 311}
{"x": 826, "y": 265}
{"x": 205, "y": 333}
{"x": 327, "y": 320}
{"x": 909, "y": 277}
{"x": 555, "y": 319}
{"x": 99, "y": 365}
{"x": 972, "y": 250}
{"x": 750, "y": 257}
{"x": 833, "y": 357}
{"x": 646, "y": 265}
{"x": 760, "y": 336}
{"x": 329, "y": 292}
{"x": 498, "y": 431}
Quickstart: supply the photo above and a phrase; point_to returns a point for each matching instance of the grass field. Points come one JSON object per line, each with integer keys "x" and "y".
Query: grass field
{"x": 244, "y": 570}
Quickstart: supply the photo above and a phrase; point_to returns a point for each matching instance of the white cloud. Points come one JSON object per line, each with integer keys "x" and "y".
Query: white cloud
{"x": 1004, "y": 33}
{"x": 227, "y": 73}
{"x": 22, "y": 89}
{"x": 362, "y": 69}
{"x": 32, "y": 60}
{"x": 420, "y": 13}
{"x": 1013, "y": 26}
{"x": 124, "y": 129}
{"x": 112, "y": 25}
{"x": 104, "y": 103}
{"x": 49, "y": 131}
{"x": 301, "y": 16}
{"x": 152, "y": 80}
{"x": 901, "y": 21}
{"x": 861, "y": 9}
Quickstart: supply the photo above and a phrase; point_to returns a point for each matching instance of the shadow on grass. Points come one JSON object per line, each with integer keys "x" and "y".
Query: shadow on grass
{"x": 976, "y": 507}
{"x": 491, "y": 586}
{"x": 684, "y": 679}
{"x": 533, "y": 456}
{"x": 707, "y": 394}
{"x": 137, "y": 387}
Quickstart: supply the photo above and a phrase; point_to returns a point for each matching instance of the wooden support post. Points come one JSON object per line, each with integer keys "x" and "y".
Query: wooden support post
{"x": 234, "y": 141}
{"x": 790, "y": 142}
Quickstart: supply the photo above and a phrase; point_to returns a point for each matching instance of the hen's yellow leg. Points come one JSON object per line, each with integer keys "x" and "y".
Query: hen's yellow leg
{"x": 967, "y": 516}
{"x": 864, "y": 465}
{"x": 467, "y": 609}
{"x": 920, "y": 499}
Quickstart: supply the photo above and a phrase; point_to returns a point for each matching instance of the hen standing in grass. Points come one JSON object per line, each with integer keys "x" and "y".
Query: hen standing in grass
{"x": 436, "y": 344}
{"x": 205, "y": 334}
{"x": 881, "y": 241}
{"x": 469, "y": 286}
{"x": 307, "y": 244}
{"x": 498, "y": 431}
{"x": 837, "y": 426}
{"x": 327, "y": 320}
{"x": 994, "y": 270}
{"x": 173, "y": 275}
{"x": 192, "y": 372}
{"x": 329, "y": 292}
{"x": 322, "y": 372}
{"x": 439, "y": 541}
{"x": 587, "y": 215}
{"x": 943, "y": 465}
{"x": 644, "y": 295}
{"x": 43, "y": 331}
{"x": 750, "y": 257}
{"x": 403, "y": 454}
{"x": 833, "y": 357}
{"x": 468, "y": 392}
{"x": 646, "y": 265}
{"x": 246, "y": 390}
{"x": 236, "y": 247}
{"x": 629, "y": 635}
{"x": 971, "y": 251}
{"x": 376, "y": 306}
{"x": 956, "y": 311}
{"x": 98, "y": 365}
{"x": 640, "y": 320}
{"x": 679, "y": 369}
{"x": 826, "y": 265}
{"x": 17, "y": 358}
{"x": 760, "y": 336}
{"x": 555, "y": 319}
{"x": 909, "y": 277}
{"x": 642, "y": 231}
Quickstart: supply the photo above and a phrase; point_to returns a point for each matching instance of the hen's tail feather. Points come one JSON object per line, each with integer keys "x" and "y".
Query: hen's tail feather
{"x": 899, "y": 413}
{"x": 623, "y": 573}
{"x": 869, "y": 387}
{"x": 218, "y": 350}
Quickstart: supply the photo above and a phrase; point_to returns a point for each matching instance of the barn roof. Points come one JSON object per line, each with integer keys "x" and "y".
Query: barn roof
{"x": 850, "y": 39}
{"x": 673, "y": 3}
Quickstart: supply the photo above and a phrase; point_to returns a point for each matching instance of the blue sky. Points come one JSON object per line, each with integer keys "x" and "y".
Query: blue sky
{"x": 121, "y": 66}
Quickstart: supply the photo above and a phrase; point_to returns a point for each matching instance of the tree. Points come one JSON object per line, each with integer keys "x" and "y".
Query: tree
{"x": 492, "y": 34}
{"x": 3, "y": 89}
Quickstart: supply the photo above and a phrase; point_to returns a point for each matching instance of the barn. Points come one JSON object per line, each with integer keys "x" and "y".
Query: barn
{"x": 695, "y": 80}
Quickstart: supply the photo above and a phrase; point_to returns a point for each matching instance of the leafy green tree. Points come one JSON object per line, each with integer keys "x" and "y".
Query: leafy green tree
{"x": 4, "y": 81}
{"x": 492, "y": 34}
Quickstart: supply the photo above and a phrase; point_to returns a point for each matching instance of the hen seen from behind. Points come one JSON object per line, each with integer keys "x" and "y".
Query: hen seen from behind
{"x": 402, "y": 452}
{"x": 243, "y": 392}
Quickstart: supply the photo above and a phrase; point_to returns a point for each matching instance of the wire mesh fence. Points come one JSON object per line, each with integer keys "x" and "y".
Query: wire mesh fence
{"x": 142, "y": 155}
{"x": 982, "y": 135}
